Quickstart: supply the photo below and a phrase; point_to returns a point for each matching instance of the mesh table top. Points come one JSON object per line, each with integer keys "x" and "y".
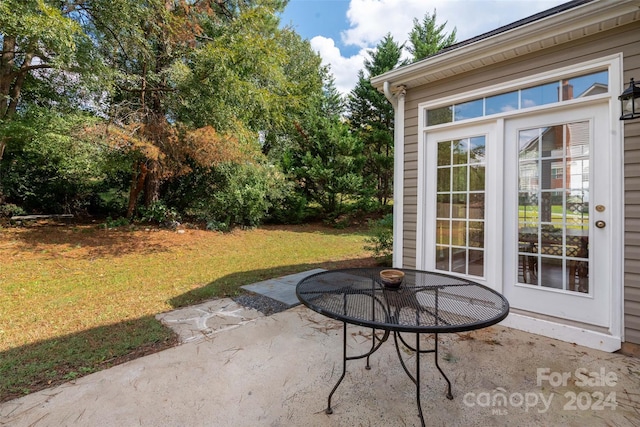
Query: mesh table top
{"x": 425, "y": 302}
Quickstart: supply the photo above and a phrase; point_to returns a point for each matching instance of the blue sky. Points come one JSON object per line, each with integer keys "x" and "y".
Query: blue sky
{"x": 342, "y": 30}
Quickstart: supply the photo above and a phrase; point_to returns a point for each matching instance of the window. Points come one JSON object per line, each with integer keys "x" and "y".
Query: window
{"x": 460, "y": 217}
{"x": 528, "y": 97}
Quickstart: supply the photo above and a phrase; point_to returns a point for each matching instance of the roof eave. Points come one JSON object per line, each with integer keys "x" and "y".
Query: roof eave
{"x": 581, "y": 21}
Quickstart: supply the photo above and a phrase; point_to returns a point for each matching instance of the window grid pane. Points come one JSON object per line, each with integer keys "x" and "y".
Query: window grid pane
{"x": 460, "y": 210}
{"x": 553, "y": 207}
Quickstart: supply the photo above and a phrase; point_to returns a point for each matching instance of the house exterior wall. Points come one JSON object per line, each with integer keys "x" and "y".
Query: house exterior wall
{"x": 623, "y": 39}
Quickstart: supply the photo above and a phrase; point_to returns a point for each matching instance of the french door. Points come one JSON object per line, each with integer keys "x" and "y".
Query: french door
{"x": 557, "y": 207}
{"x": 522, "y": 205}
{"x": 461, "y": 203}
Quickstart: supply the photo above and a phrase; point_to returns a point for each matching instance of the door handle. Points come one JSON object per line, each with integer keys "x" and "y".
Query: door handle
{"x": 601, "y": 224}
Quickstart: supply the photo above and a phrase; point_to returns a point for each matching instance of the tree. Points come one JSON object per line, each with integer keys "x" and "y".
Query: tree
{"x": 46, "y": 74}
{"x": 325, "y": 159}
{"x": 194, "y": 65}
{"x": 33, "y": 36}
{"x": 371, "y": 119}
{"x": 428, "y": 38}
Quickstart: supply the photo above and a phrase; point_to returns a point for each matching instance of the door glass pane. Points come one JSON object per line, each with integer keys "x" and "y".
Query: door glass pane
{"x": 444, "y": 179}
{"x": 460, "y": 206}
{"x": 476, "y": 234}
{"x": 444, "y": 206}
{"x": 553, "y": 207}
{"x": 476, "y": 206}
{"x": 476, "y": 178}
{"x": 476, "y": 263}
{"x": 461, "y": 152}
{"x": 476, "y": 150}
{"x": 459, "y": 178}
{"x": 443, "y": 232}
{"x": 459, "y": 260}
{"x": 442, "y": 258}
{"x": 444, "y": 153}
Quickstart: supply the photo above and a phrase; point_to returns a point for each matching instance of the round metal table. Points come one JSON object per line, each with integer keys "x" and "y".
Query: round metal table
{"x": 426, "y": 302}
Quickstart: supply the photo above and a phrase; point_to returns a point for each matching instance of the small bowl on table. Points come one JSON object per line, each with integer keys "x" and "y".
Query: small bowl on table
{"x": 391, "y": 278}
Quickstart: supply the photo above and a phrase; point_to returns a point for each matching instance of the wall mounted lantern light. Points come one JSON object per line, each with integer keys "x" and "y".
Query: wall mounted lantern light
{"x": 630, "y": 100}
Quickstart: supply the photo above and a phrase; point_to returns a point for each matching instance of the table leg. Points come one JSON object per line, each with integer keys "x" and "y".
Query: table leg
{"x": 344, "y": 367}
{"x": 373, "y": 345}
{"x": 374, "y": 348}
{"x": 449, "y": 395}
{"x": 418, "y": 379}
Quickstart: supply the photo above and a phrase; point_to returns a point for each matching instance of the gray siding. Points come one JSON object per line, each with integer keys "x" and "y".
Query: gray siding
{"x": 625, "y": 39}
{"x": 632, "y": 219}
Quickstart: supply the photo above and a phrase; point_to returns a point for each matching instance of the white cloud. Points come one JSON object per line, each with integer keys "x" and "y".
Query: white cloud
{"x": 371, "y": 20}
{"x": 344, "y": 70}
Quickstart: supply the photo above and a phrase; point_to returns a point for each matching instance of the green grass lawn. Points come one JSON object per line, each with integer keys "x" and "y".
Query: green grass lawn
{"x": 78, "y": 299}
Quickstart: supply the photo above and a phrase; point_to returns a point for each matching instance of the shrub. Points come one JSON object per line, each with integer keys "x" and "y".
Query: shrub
{"x": 159, "y": 213}
{"x": 9, "y": 209}
{"x": 230, "y": 194}
{"x": 381, "y": 241}
{"x": 48, "y": 165}
{"x": 291, "y": 208}
{"x": 115, "y": 223}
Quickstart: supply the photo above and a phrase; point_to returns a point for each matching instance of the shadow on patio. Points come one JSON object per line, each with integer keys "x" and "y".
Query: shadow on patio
{"x": 278, "y": 370}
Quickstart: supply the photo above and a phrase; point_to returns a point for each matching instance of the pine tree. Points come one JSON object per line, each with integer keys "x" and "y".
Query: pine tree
{"x": 371, "y": 119}
{"x": 428, "y": 38}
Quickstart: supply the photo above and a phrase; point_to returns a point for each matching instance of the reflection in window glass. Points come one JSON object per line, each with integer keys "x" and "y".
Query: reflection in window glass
{"x": 444, "y": 179}
{"x": 545, "y": 175}
{"x": 444, "y": 153}
{"x": 458, "y": 260}
{"x": 539, "y": 95}
{"x": 528, "y": 179}
{"x": 589, "y": 85}
{"x": 476, "y": 178}
{"x": 476, "y": 205}
{"x": 460, "y": 151}
{"x": 564, "y": 90}
{"x": 439, "y": 116}
{"x": 552, "y": 141}
{"x": 442, "y": 258}
{"x": 476, "y": 149}
{"x": 553, "y": 208}
{"x": 529, "y": 142}
{"x": 476, "y": 263}
{"x": 443, "y": 234}
{"x": 444, "y": 207}
{"x": 459, "y": 178}
{"x": 461, "y": 206}
{"x": 476, "y": 234}
{"x": 501, "y": 103}
{"x": 578, "y": 143}
{"x": 468, "y": 110}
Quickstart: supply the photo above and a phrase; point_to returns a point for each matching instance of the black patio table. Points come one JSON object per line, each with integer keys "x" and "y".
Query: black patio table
{"x": 425, "y": 302}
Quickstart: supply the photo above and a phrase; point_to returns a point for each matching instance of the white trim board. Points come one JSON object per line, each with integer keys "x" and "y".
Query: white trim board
{"x": 562, "y": 332}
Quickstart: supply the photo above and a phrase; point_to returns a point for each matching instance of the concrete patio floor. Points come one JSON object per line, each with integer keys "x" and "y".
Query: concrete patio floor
{"x": 237, "y": 367}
